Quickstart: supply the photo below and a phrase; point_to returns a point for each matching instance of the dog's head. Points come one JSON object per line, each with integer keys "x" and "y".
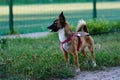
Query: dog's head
{"x": 58, "y": 23}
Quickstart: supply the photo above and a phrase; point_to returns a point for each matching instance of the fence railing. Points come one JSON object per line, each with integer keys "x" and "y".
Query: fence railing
{"x": 34, "y": 18}
{"x": 11, "y": 16}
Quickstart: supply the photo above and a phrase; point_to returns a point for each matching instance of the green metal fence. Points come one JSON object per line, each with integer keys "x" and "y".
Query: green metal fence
{"x": 16, "y": 2}
{"x": 36, "y": 17}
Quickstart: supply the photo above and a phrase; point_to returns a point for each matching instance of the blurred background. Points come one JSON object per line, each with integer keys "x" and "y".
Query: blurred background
{"x": 35, "y": 15}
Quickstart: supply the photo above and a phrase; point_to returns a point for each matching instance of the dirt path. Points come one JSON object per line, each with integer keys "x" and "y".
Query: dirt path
{"x": 107, "y": 74}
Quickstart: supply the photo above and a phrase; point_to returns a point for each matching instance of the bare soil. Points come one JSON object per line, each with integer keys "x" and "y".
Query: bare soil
{"x": 112, "y": 73}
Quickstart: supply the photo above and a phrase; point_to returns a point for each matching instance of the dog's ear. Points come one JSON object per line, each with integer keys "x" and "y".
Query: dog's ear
{"x": 62, "y": 18}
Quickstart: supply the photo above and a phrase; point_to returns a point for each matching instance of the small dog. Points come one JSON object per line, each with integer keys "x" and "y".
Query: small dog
{"x": 73, "y": 41}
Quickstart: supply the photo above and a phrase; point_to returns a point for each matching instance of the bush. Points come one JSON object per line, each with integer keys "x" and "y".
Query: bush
{"x": 101, "y": 26}
{"x": 96, "y": 26}
{"x": 115, "y": 26}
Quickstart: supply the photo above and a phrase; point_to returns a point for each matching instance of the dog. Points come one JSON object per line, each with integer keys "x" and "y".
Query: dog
{"x": 73, "y": 42}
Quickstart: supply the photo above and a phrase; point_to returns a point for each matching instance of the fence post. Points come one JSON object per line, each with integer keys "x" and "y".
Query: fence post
{"x": 11, "y": 16}
{"x": 94, "y": 9}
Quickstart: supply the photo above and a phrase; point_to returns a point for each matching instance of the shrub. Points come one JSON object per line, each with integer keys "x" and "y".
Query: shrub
{"x": 101, "y": 26}
{"x": 98, "y": 26}
{"x": 115, "y": 26}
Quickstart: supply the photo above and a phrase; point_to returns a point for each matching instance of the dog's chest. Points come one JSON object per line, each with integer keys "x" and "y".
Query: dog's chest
{"x": 61, "y": 34}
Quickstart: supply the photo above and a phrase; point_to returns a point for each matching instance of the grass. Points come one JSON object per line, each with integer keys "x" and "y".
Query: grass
{"x": 42, "y": 59}
{"x": 35, "y": 18}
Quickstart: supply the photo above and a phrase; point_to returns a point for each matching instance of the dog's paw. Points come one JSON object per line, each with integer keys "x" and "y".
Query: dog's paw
{"x": 94, "y": 64}
{"x": 77, "y": 70}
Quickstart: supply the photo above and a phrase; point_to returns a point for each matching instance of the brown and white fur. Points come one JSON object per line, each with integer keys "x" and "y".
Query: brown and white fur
{"x": 64, "y": 30}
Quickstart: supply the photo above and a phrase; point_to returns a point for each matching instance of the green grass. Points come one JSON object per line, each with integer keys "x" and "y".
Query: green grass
{"x": 108, "y": 54}
{"x": 42, "y": 59}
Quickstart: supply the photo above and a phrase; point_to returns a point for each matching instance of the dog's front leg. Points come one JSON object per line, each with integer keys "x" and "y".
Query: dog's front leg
{"x": 66, "y": 56}
{"x": 76, "y": 60}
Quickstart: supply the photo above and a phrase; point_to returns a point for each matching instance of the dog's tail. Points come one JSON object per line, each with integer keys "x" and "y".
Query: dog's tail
{"x": 82, "y": 26}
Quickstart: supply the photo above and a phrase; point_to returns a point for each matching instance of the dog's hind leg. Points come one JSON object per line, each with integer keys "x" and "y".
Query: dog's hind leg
{"x": 85, "y": 55}
{"x": 93, "y": 57}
